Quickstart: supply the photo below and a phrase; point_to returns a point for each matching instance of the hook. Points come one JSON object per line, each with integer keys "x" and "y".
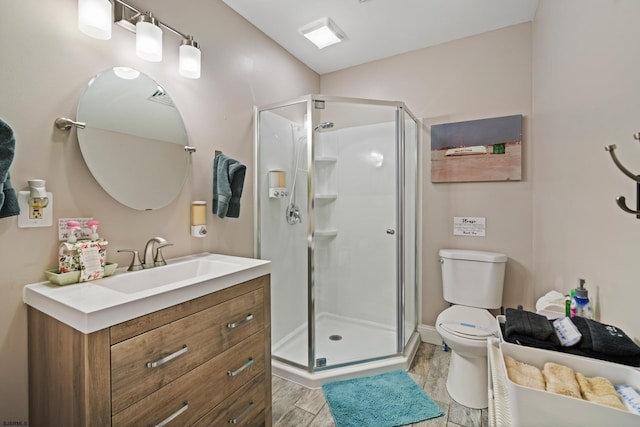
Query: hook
{"x": 622, "y": 203}
{"x": 611, "y": 150}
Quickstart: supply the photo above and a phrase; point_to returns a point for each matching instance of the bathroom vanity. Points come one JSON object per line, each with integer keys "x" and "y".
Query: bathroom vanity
{"x": 193, "y": 349}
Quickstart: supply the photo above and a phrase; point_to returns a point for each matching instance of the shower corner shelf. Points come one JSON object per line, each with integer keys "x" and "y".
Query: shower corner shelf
{"x": 325, "y": 234}
{"x": 326, "y": 159}
{"x": 326, "y": 196}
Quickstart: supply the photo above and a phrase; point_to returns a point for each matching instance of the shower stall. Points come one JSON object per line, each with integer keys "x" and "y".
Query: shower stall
{"x": 337, "y": 187}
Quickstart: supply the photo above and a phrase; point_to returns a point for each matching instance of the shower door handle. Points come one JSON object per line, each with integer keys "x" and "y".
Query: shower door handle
{"x": 391, "y": 231}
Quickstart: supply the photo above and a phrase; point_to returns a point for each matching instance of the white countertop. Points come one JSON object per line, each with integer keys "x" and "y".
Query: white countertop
{"x": 95, "y": 305}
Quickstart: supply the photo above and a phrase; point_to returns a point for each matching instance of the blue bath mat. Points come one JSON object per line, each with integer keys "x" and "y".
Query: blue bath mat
{"x": 385, "y": 400}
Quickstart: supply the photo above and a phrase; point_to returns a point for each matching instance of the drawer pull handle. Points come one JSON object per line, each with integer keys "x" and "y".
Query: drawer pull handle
{"x": 237, "y": 419}
{"x": 157, "y": 363}
{"x": 241, "y": 368}
{"x": 174, "y": 415}
{"x": 240, "y": 322}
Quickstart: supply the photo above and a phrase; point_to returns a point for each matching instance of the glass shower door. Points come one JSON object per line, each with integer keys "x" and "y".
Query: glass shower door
{"x": 281, "y": 178}
{"x": 354, "y": 232}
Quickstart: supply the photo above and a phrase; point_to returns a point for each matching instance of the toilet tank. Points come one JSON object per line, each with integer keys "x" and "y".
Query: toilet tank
{"x": 472, "y": 278}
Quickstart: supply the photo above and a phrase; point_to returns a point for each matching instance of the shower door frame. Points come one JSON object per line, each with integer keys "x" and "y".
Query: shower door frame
{"x": 400, "y": 110}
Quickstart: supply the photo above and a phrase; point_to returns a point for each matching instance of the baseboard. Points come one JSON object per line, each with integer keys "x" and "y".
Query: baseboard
{"x": 429, "y": 334}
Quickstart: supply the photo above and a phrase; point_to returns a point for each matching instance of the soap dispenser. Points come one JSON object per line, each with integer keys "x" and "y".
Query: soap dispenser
{"x": 67, "y": 254}
{"x": 93, "y": 225}
{"x": 580, "y": 305}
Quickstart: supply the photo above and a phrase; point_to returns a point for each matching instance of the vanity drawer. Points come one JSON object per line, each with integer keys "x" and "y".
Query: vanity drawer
{"x": 145, "y": 363}
{"x": 195, "y": 393}
{"x": 243, "y": 408}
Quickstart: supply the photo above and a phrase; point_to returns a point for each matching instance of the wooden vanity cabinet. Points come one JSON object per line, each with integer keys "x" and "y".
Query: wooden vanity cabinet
{"x": 205, "y": 362}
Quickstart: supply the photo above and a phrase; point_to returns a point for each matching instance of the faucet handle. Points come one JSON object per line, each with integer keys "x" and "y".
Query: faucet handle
{"x": 159, "y": 260}
{"x": 135, "y": 261}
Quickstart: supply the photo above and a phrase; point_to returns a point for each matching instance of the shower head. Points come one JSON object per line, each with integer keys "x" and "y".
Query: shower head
{"x": 323, "y": 125}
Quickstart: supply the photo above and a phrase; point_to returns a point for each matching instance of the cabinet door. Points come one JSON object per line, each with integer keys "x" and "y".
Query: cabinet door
{"x": 144, "y": 364}
{"x": 191, "y": 396}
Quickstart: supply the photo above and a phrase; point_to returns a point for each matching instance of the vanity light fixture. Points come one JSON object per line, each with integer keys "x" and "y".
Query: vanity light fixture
{"x": 94, "y": 18}
{"x": 189, "y": 63}
{"x": 323, "y": 32}
{"x": 148, "y": 29}
{"x": 148, "y": 38}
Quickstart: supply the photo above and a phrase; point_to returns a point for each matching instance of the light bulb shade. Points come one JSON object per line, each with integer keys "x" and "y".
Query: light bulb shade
{"x": 190, "y": 56}
{"x": 148, "y": 39}
{"x": 94, "y": 18}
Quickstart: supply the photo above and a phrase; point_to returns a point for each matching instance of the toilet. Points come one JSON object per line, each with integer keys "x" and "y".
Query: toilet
{"x": 472, "y": 281}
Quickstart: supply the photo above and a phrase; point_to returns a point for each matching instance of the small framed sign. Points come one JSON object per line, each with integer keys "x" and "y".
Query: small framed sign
{"x": 469, "y": 226}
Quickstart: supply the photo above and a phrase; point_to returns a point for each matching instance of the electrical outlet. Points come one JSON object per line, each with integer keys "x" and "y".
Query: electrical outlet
{"x": 35, "y": 212}
{"x": 34, "y": 215}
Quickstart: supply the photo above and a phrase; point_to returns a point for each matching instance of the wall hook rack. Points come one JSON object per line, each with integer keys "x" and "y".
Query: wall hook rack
{"x": 621, "y": 200}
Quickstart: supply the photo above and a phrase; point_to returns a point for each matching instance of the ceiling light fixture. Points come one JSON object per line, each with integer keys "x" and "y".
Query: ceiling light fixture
{"x": 323, "y": 32}
{"x": 95, "y": 17}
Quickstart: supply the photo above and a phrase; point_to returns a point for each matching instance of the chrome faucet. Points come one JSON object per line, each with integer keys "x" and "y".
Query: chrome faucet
{"x": 154, "y": 258}
{"x": 151, "y": 258}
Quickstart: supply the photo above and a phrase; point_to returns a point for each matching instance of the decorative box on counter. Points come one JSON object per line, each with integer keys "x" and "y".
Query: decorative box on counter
{"x": 86, "y": 257}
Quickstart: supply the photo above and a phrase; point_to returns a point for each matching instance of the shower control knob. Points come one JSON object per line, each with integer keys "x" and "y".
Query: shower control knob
{"x": 391, "y": 231}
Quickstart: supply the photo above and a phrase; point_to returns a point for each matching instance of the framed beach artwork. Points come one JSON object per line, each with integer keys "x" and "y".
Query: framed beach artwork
{"x": 477, "y": 150}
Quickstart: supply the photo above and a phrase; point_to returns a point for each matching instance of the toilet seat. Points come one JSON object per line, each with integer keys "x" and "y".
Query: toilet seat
{"x": 468, "y": 322}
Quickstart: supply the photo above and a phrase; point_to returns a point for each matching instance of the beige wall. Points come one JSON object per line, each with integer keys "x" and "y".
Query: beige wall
{"x": 586, "y": 96}
{"x": 46, "y": 63}
{"x": 478, "y": 77}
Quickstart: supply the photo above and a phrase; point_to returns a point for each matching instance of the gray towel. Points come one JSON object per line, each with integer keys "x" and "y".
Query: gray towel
{"x": 606, "y": 342}
{"x": 526, "y": 323}
{"x": 228, "y": 180}
{"x": 8, "y": 200}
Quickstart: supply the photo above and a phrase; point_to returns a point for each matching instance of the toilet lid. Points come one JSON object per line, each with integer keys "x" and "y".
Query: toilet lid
{"x": 468, "y": 322}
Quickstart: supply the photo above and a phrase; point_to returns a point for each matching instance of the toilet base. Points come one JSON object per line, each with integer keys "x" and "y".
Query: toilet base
{"x": 467, "y": 381}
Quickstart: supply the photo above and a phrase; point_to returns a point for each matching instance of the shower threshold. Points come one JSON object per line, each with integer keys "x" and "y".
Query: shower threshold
{"x": 363, "y": 349}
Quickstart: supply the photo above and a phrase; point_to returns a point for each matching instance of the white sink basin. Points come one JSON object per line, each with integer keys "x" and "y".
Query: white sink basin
{"x": 168, "y": 275}
{"x": 98, "y": 304}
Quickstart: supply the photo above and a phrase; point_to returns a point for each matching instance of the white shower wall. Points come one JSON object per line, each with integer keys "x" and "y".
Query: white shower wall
{"x": 355, "y": 271}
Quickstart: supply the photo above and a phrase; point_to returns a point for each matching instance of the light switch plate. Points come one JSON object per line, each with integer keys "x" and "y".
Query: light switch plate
{"x": 23, "y": 218}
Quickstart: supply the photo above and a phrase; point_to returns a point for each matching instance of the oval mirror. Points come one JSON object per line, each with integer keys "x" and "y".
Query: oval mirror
{"x": 134, "y": 140}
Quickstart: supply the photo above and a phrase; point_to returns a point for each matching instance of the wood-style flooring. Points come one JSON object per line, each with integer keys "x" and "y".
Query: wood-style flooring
{"x": 297, "y": 406}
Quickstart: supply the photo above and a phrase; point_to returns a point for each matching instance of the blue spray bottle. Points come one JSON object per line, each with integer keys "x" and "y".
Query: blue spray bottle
{"x": 580, "y": 305}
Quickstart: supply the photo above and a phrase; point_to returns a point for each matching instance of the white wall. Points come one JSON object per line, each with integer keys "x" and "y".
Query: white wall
{"x": 46, "y": 63}
{"x": 586, "y": 85}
